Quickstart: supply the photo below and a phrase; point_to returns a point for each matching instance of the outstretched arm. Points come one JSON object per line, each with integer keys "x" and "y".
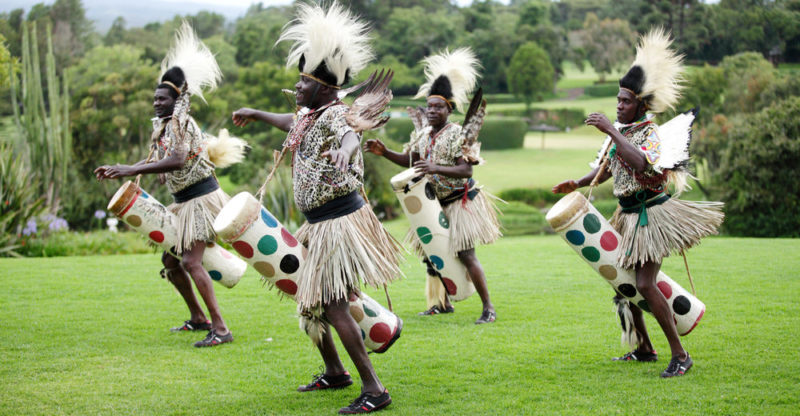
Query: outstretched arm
{"x": 168, "y": 164}
{"x": 377, "y": 147}
{"x": 462, "y": 169}
{"x": 244, "y": 115}
{"x": 571, "y": 184}
{"x": 634, "y": 157}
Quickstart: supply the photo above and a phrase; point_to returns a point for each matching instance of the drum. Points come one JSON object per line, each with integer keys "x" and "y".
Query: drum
{"x": 274, "y": 252}
{"x": 597, "y": 243}
{"x": 432, "y": 227}
{"x": 149, "y": 217}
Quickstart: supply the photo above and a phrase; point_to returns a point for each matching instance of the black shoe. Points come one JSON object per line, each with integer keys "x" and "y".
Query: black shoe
{"x": 487, "y": 317}
{"x": 677, "y": 367}
{"x": 366, "y": 403}
{"x": 192, "y": 326}
{"x": 436, "y": 309}
{"x": 637, "y": 355}
{"x": 212, "y": 339}
{"x": 324, "y": 381}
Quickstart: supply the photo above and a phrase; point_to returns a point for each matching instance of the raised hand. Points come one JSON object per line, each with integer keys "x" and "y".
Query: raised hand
{"x": 375, "y": 146}
{"x": 243, "y": 116}
{"x": 601, "y": 122}
{"x": 565, "y": 187}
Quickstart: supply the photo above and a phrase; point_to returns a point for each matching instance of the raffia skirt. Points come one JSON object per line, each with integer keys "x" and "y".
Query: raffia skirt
{"x": 196, "y": 218}
{"x": 341, "y": 252}
{"x": 471, "y": 222}
{"x": 673, "y": 226}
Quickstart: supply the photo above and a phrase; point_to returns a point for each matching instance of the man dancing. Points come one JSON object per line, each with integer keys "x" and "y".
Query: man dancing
{"x": 644, "y": 163}
{"x": 439, "y": 151}
{"x": 345, "y": 240}
{"x": 181, "y": 154}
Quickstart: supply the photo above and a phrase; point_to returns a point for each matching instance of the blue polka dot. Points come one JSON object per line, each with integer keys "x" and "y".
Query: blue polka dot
{"x": 144, "y": 195}
{"x": 437, "y": 262}
{"x": 268, "y": 219}
{"x": 575, "y": 237}
{"x": 215, "y": 275}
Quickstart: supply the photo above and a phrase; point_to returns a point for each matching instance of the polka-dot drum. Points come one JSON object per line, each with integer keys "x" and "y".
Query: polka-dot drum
{"x": 380, "y": 328}
{"x": 432, "y": 227}
{"x": 261, "y": 240}
{"x": 598, "y": 244}
{"x": 152, "y": 219}
{"x": 265, "y": 244}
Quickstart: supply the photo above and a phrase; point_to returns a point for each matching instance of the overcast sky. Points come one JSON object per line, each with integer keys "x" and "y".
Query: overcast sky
{"x": 138, "y": 13}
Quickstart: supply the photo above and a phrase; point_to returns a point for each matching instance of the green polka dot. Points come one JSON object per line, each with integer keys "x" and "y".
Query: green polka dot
{"x": 370, "y": 312}
{"x": 591, "y": 254}
{"x": 443, "y": 221}
{"x": 591, "y": 223}
{"x": 424, "y": 235}
{"x": 215, "y": 275}
{"x": 363, "y": 335}
{"x": 267, "y": 245}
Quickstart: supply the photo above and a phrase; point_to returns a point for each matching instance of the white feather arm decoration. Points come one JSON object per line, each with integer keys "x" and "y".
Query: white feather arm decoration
{"x": 460, "y": 67}
{"x": 225, "y": 150}
{"x": 675, "y": 136}
{"x": 333, "y": 36}
{"x": 195, "y": 60}
{"x": 663, "y": 70}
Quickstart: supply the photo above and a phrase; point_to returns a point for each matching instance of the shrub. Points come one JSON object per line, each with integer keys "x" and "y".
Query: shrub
{"x": 19, "y": 202}
{"x": 608, "y": 89}
{"x": 532, "y": 196}
{"x": 559, "y": 117}
{"x": 521, "y": 219}
{"x": 503, "y": 133}
{"x": 85, "y": 244}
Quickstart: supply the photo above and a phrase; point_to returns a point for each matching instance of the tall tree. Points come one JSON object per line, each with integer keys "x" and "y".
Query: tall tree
{"x": 608, "y": 43}
{"x": 530, "y": 73}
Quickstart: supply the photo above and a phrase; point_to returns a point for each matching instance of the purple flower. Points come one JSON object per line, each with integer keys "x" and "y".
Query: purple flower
{"x": 99, "y": 214}
{"x": 58, "y": 224}
{"x": 30, "y": 228}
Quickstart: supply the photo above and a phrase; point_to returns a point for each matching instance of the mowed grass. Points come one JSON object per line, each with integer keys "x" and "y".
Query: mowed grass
{"x": 89, "y": 335}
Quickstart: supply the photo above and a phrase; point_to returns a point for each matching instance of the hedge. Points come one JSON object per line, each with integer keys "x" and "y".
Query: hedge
{"x": 609, "y": 89}
{"x": 496, "y": 133}
{"x": 560, "y": 117}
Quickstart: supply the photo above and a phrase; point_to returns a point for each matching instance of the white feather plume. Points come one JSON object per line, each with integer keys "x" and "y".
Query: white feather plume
{"x": 460, "y": 67}
{"x": 663, "y": 70}
{"x": 334, "y": 36}
{"x": 195, "y": 60}
{"x": 225, "y": 150}
{"x": 675, "y": 136}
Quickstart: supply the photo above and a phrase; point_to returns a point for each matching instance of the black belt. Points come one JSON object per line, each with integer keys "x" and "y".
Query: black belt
{"x": 457, "y": 195}
{"x": 205, "y": 186}
{"x": 336, "y": 208}
{"x": 646, "y": 197}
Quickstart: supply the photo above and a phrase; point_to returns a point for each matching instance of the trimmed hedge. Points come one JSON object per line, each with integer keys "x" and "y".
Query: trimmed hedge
{"x": 496, "y": 133}
{"x": 609, "y": 89}
{"x": 532, "y": 196}
{"x": 522, "y": 219}
{"x": 560, "y": 117}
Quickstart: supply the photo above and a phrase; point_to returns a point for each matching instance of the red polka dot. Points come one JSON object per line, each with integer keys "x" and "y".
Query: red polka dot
{"x": 157, "y": 236}
{"x": 243, "y": 248}
{"x": 608, "y": 241}
{"x": 380, "y": 333}
{"x": 287, "y": 286}
{"x": 450, "y": 286}
{"x": 287, "y": 238}
{"x": 665, "y": 289}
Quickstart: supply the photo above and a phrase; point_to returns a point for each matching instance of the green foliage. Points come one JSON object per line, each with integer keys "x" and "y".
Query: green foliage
{"x": 432, "y": 32}
{"x": 519, "y": 218}
{"x": 398, "y": 129}
{"x": 86, "y": 244}
{"x": 758, "y": 173}
{"x": 538, "y": 197}
{"x": 503, "y": 133}
{"x": 609, "y": 89}
{"x": 607, "y": 43}
{"x": 530, "y": 73}
{"x": 562, "y": 118}
{"x": 405, "y": 81}
{"x": 19, "y": 201}
{"x": 257, "y": 31}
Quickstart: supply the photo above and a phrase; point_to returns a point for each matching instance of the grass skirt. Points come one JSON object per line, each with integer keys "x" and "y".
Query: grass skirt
{"x": 196, "y": 218}
{"x": 672, "y": 226}
{"x": 342, "y": 252}
{"x": 471, "y": 223}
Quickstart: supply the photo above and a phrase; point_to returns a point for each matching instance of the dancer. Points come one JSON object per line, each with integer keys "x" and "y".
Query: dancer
{"x": 445, "y": 152}
{"x": 346, "y": 242}
{"x": 180, "y": 156}
{"x": 644, "y": 161}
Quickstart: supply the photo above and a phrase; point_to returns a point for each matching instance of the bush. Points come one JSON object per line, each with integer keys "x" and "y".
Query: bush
{"x": 560, "y": 117}
{"x": 521, "y": 219}
{"x": 532, "y": 196}
{"x": 85, "y": 244}
{"x": 397, "y": 130}
{"x": 608, "y": 89}
{"x": 503, "y": 133}
{"x": 19, "y": 202}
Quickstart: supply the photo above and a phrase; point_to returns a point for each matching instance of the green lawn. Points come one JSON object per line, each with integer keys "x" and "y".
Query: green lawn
{"x": 88, "y": 335}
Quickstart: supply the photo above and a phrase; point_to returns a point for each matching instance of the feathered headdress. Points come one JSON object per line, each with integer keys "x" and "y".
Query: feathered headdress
{"x": 197, "y": 64}
{"x": 656, "y": 74}
{"x": 450, "y": 75}
{"x": 329, "y": 46}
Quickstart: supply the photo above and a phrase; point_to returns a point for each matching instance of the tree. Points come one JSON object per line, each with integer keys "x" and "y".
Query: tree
{"x": 413, "y": 33}
{"x": 608, "y": 44}
{"x": 530, "y": 73}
